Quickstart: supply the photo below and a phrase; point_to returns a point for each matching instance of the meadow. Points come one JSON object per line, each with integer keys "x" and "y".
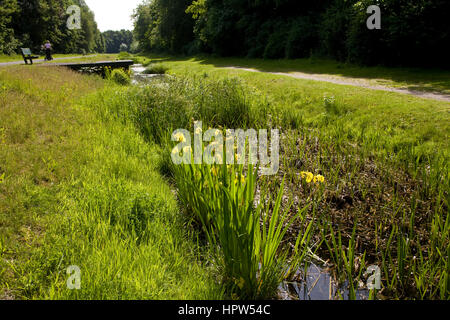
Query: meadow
{"x": 80, "y": 188}
{"x": 384, "y": 157}
{"x": 86, "y": 179}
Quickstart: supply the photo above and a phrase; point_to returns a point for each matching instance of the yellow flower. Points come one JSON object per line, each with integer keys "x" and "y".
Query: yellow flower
{"x": 175, "y": 150}
{"x": 242, "y": 179}
{"x": 214, "y": 171}
{"x": 198, "y": 131}
{"x": 308, "y": 176}
{"x": 319, "y": 179}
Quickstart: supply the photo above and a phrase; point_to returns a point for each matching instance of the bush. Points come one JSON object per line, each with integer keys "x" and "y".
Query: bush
{"x": 172, "y": 103}
{"x": 121, "y": 77}
{"x": 156, "y": 68}
{"x": 124, "y": 56}
{"x": 276, "y": 45}
{"x": 302, "y": 38}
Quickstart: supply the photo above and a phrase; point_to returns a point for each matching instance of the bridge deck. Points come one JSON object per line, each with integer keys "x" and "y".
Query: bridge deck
{"x": 112, "y": 64}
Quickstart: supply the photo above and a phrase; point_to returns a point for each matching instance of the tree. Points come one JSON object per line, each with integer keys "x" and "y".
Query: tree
{"x": 164, "y": 25}
{"x": 123, "y": 47}
{"x": 114, "y": 39}
{"x": 31, "y": 22}
{"x": 8, "y": 42}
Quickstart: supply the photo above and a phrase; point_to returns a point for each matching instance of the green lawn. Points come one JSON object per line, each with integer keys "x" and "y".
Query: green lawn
{"x": 86, "y": 179}
{"x": 399, "y": 120}
{"x": 408, "y": 78}
{"x": 384, "y": 156}
{"x": 79, "y": 187}
{"x": 67, "y": 58}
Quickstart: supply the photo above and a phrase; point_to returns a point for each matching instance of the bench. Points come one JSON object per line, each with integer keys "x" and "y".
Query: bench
{"x": 27, "y": 55}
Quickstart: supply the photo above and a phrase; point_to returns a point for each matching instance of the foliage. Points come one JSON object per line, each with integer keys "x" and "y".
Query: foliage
{"x": 413, "y": 32}
{"x": 30, "y": 23}
{"x": 119, "y": 76}
{"x": 115, "y": 39}
{"x": 252, "y": 258}
{"x": 353, "y": 154}
{"x": 156, "y": 68}
{"x": 163, "y": 25}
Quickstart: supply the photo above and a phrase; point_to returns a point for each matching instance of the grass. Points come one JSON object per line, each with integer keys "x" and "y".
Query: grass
{"x": 253, "y": 261}
{"x": 385, "y": 160}
{"x": 67, "y": 58}
{"x": 381, "y": 200}
{"x": 80, "y": 187}
{"x": 156, "y": 68}
{"x": 18, "y": 57}
{"x": 433, "y": 80}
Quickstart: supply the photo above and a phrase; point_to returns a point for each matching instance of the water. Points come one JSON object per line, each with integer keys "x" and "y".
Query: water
{"x": 139, "y": 77}
{"x": 319, "y": 284}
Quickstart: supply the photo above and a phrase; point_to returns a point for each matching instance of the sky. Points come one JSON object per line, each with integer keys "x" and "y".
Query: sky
{"x": 113, "y": 14}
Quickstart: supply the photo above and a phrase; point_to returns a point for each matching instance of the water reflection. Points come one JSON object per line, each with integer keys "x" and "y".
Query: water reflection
{"x": 318, "y": 284}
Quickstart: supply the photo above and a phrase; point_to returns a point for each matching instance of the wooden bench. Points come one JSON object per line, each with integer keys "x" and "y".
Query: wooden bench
{"x": 27, "y": 55}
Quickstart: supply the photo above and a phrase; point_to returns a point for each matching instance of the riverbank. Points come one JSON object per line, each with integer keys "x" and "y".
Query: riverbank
{"x": 384, "y": 156}
{"x": 79, "y": 187}
{"x": 364, "y": 176}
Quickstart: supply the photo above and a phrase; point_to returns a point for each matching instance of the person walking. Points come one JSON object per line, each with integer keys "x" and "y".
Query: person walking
{"x": 48, "y": 51}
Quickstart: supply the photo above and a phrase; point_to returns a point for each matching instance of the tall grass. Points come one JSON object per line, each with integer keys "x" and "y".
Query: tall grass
{"x": 222, "y": 198}
{"x": 253, "y": 258}
{"x": 83, "y": 188}
{"x": 366, "y": 181}
{"x": 380, "y": 169}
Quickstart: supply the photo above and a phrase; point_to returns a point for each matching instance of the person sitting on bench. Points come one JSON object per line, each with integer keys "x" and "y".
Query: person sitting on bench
{"x": 26, "y": 54}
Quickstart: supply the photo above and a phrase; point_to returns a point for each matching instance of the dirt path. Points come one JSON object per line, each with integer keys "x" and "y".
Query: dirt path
{"x": 42, "y": 60}
{"x": 357, "y": 82}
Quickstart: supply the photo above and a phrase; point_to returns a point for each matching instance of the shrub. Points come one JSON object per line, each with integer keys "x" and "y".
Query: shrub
{"x": 142, "y": 60}
{"x": 121, "y": 77}
{"x": 156, "y": 68}
{"x": 276, "y": 44}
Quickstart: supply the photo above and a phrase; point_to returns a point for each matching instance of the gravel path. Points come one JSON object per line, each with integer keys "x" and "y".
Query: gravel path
{"x": 357, "y": 82}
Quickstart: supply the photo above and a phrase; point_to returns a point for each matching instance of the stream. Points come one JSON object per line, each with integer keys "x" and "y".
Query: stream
{"x": 138, "y": 76}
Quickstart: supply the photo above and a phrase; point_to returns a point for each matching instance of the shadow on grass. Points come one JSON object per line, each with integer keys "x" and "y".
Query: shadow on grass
{"x": 411, "y": 79}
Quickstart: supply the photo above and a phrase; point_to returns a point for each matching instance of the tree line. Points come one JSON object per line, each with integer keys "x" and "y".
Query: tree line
{"x": 413, "y": 32}
{"x": 117, "y": 41}
{"x": 29, "y": 23}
